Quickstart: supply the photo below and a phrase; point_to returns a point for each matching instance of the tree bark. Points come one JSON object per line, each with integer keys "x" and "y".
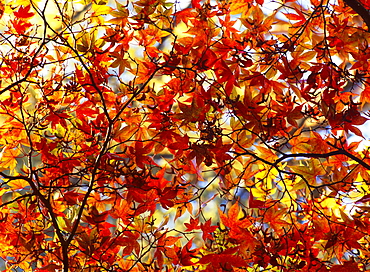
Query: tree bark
{"x": 361, "y": 10}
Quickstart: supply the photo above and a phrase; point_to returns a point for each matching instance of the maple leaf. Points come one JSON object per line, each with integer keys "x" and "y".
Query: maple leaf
{"x": 275, "y": 218}
{"x": 165, "y": 248}
{"x": 365, "y": 96}
{"x": 24, "y": 12}
{"x": 196, "y": 4}
{"x": 193, "y": 225}
{"x": 95, "y": 217}
{"x": 300, "y": 17}
{"x": 185, "y": 15}
{"x": 195, "y": 112}
{"x": 140, "y": 150}
{"x": 8, "y": 158}
{"x": 239, "y": 6}
{"x": 113, "y": 122}
{"x": 310, "y": 172}
{"x": 128, "y": 239}
{"x": 346, "y": 267}
{"x": 72, "y": 197}
{"x": 237, "y": 226}
{"x": 167, "y": 197}
{"x": 120, "y": 62}
{"x": 57, "y": 118}
{"x": 207, "y": 230}
{"x": 21, "y": 26}
{"x": 2, "y": 9}
{"x": 180, "y": 143}
{"x": 144, "y": 71}
{"x": 253, "y": 203}
{"x": 187, "y": 254}
{"x": 224, "y": 260}
{"x": 122, "y": 209}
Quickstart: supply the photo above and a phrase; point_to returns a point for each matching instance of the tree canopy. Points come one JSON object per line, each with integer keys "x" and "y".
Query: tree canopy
{"x": 223, "y": 135}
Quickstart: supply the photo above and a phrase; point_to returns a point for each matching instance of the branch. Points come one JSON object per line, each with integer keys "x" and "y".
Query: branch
{"x": 325, "y": 155}
{"x": 310, "y": 155}
{"x": 359, "y": 8}
{"x": 15, "y": 199}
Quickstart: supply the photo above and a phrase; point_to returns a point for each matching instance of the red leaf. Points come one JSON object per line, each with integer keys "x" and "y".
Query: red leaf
{"x": 196, "y": 4}
{"x": 20, "y": 26}
{"x": 187, "y": 254}
{"x": 349, "y": 266}
{"x": 219, "y": 259}
{"x": 95, "y": 217}
{"x": 72, "y": 197}
{"x": 238, "y": 226}
{"x": 207, "y": 230}
{"x": 167, "y": 197}
{"x": 185, "y": 15}
{"x": 255, "y": 203}
{"x": 24, "y": 12}
{"x": 193, "y": 225}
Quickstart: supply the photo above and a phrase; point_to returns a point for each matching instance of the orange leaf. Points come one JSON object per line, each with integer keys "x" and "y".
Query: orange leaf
{"x": 8, "y": 158}
{"x": 239, "y": 6}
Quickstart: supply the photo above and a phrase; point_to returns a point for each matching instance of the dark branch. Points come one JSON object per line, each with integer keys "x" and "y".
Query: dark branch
{"x": 359, "y": 8}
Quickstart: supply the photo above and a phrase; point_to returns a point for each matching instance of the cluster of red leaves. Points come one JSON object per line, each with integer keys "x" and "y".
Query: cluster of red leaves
{"x": 109, "y": 157}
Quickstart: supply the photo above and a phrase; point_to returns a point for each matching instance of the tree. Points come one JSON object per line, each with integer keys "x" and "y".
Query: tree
{"x": 221, "y": 136}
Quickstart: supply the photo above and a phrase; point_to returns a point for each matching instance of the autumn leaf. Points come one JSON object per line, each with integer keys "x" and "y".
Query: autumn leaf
{"x": 266, "y": 154}
{"x": 311, "y": 171}
{"x": 24, "y": 12}
{"x": 193, "y": 225}
{"x": 72, "y": 197}
{"x": 254, "y": 203}
{"x": 165, "y": 248}
{"x": 193, "y": 112}
{"x": 236, "y": 225}
{"x": 207, "y": 230}
{"x": 124, "y": 125}
{"x": 20, "y": 26}
{"x": 187, "y": 254}
{"x": 365, "y": 96}
{"x": 18, "y": 184}
{"x": 276, "y": 219}
{"x": 101, "y": 9}
{"x": 8, "y": 158}
{"x": 95, "y": 217}
{"x": 220, "y": 260}
{"x": 167, "y": 197}
{"x": 347, "y": 266}
{"x": 239, "y": 6}
{"x": 144, "y": 71}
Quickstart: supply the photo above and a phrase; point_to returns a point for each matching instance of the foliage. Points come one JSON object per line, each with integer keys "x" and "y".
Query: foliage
{"x": 145, "y": 136}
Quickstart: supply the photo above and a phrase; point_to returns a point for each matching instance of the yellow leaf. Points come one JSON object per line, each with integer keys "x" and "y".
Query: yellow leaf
{"x": 101, "y": 10}
{"x": 310, "y": 171}
{"x": 18, "y": 184}
{"x": 8, "y": 158}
